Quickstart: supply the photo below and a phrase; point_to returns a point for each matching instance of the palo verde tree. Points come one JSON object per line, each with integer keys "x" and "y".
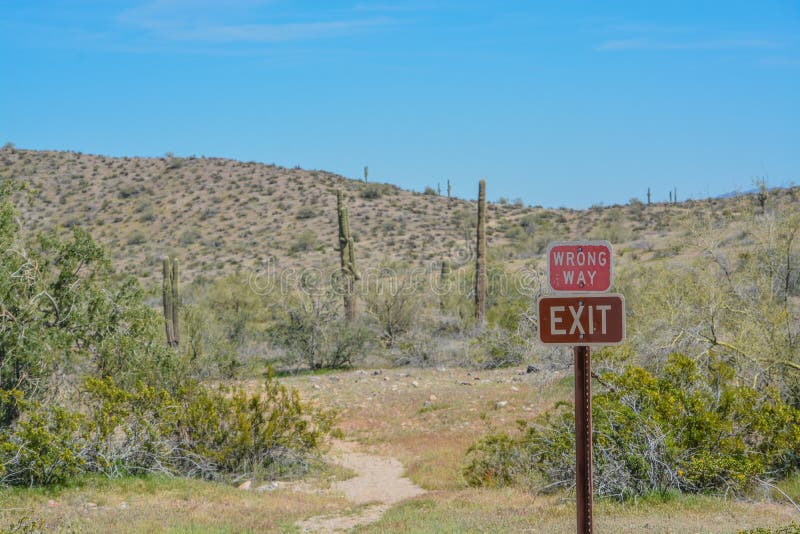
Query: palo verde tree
{"x": 62, "y": 311}
{"x": 741, "y": 307}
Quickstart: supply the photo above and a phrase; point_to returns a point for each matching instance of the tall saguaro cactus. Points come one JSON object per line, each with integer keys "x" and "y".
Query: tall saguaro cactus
{"x": 444, "y": 279}
{"x": 347, "y": 257}
{"x": 648, "y": 196}
{"x": 480, "y": 257}
{"x": 170, "y": 295}
{"x": 444, "y": 271}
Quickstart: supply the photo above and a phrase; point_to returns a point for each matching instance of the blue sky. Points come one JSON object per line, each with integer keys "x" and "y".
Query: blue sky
{"x": 558, "y": 103}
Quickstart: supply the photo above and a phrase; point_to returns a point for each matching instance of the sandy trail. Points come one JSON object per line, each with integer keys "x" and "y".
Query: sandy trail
{"x": 378, "y": 480}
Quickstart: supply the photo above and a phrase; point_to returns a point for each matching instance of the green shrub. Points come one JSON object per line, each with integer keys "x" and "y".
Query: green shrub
{"x": 173, "y": 162}
{"x": 128, "y": 191}
{"x": 370, "y": 192}
{"x": 236, "y": 306}
{"x": 497, "y": 347}
{"x": 692, "y": 429}
{"x": 207, "y": 343}
{"x": 193, "y": 431}
{"x": 43, "y": 447}
{"x": 189, "y": 237}
{"x": 24, "y": 525}
{"x": 497, "y": 461}
{"x": 313, "y": 336}
{"x": 202, "y": 433}
{"x": 307, "y": 213}
{"x": 303, "y": 242}
{"x": 792, "y": 528}
{"x": 374, "y": 190}
{"x": 416, "y": 348}
{"x": 136, "y": 237}
{"x": 395, "y": 306}
{"x": 350, "y": 342}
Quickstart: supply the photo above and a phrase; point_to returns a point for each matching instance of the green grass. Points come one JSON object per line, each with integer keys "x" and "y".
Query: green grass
{"x": 790, "y": 486}
{"x": 433, "y": 407}
{"x": 511, "y": 510}
{"x": 283, "y": 373}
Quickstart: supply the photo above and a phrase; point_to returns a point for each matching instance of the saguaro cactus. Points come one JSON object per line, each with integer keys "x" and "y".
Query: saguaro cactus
{"x": 762, "y": 194}
{"x": 170, "y": 295}
{"x": 648, "y": 196}
{"x": 449, "y": 190}
{"x": 444, "y": 278}
{"x": 480, "y": 257}
{"x": 347, "y": 257}
{"x": 444, "y": 273}
{"x": 366, "y": 173}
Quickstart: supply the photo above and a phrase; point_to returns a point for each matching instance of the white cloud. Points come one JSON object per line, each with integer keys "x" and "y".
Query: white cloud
{"x": 781, "y": 61}
{"x": 270, "y": 32}
{"x": 407, "y": 6}
{"x": 233, "y": 22}
{"x": 647, "y": 44}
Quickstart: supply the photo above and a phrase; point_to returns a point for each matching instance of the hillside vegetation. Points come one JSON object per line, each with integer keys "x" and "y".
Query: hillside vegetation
{"x": 221, "y": 215}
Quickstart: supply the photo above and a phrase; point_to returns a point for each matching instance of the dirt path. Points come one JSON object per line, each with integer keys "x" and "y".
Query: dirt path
{"x": 379, "y": 480}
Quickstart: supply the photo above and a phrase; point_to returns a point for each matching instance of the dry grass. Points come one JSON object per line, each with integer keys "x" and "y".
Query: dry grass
{"x": 394, "y": 414}
{"x": 162, "y": 504}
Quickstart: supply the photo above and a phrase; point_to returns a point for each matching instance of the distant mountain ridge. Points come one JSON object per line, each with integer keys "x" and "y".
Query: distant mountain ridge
{"x": 753, "y": 191}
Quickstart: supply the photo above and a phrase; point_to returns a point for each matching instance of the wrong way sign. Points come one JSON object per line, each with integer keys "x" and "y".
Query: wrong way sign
{"x": 590, "y": 320}
{"x": 580, "y": 266}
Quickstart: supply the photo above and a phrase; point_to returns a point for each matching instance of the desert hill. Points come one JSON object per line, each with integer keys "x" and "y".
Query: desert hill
{"x": 220, "y": 215}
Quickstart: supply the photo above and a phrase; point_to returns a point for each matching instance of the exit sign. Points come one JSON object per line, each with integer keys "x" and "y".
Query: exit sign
{"x": 579, "y": 266}
{"x": 582, "y": 319}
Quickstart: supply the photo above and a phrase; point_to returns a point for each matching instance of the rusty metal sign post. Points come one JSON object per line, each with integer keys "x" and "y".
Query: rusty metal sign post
{"x": 586, "y": 319}
{"x": 583, "y": 437}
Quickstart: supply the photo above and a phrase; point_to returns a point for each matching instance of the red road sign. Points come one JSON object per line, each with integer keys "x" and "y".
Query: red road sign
{"x": 580, "y": 266}
{"x": 590, "y": 320}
